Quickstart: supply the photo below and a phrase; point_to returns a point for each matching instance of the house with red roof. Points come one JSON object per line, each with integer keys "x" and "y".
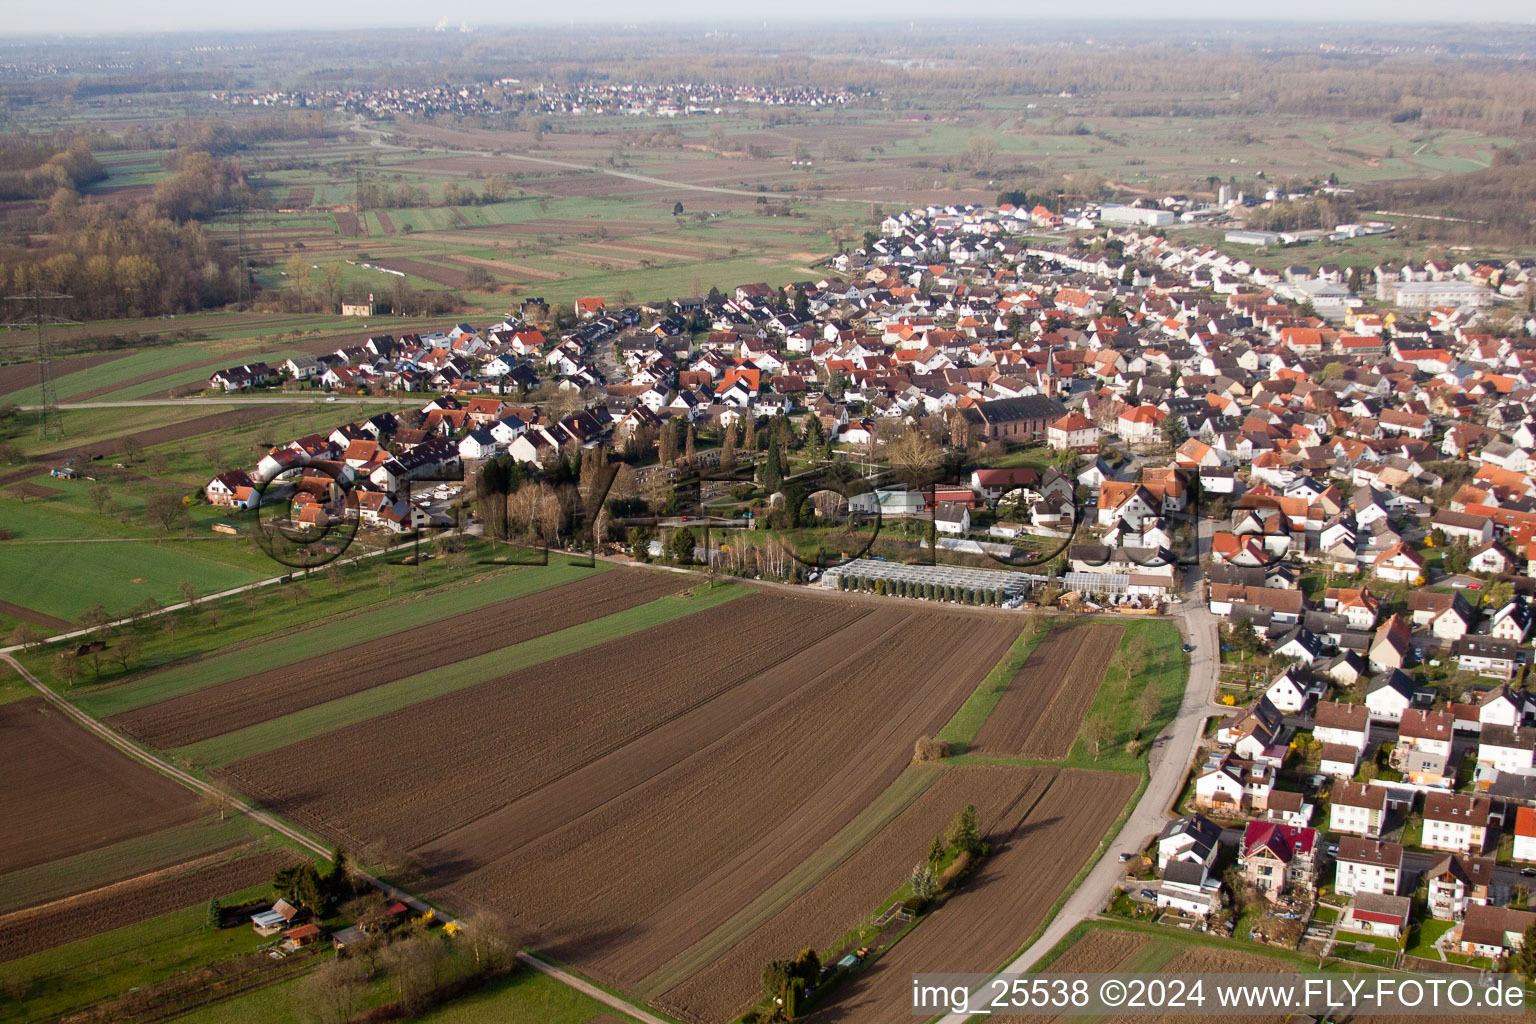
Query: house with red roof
{"x": 1278, "y": 859}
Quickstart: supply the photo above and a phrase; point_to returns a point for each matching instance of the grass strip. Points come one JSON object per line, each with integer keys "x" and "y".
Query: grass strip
{"x": 380, "y": 700}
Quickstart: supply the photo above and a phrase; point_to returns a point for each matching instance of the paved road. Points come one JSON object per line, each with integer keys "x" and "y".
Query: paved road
{"x": 1168, "y": 761}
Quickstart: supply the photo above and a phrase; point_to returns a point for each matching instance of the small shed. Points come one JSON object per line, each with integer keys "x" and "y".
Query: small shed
{"x": 303, "y": 935}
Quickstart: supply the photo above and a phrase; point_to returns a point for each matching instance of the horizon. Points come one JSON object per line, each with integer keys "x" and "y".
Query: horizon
{"x": 181, "y": 17}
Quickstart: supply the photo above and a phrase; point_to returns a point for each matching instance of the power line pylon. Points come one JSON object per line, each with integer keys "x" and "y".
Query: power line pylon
{"x": 49, "y": 422}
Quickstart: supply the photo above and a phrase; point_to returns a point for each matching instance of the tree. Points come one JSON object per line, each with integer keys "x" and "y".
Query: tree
{"x": 131, "y": 447}
{"x": 1174, "y": 432}
{"x": 126, "y": 649}
{"x": 334, "y": 993}
{"x": 924, "y": 885}
{"x": 963, "y": 833}
{"x": 301, "y": 886}
{"x": 164, "y": 510}
{"x": 936, "y": 850}
{"x": 680, "y": 546}
{"x": 1098, "y": 731}
{"x": 219, "y": 798}
{"x": 25, "y": 636}
{"x": 728, "y": 449}
{"x": 1147, "y": 704}
{"x": 690, "y": 445}
{"x": 188, "y": 592}
{"x": 1244, "y": 637}
{"x": 66, "y": 665}
{"x": 667, "y": 450}
{"x": 1333, "y": 371}
{"x": 101, "y": 498}
{"x": 490, "y": 941}
{"x": 914, "y": 456}
{"x": 770, "y": 472}
{"x": 418, "y": 965}
{"x": 677, "y": 209}
{"x": 1523, "y": 960}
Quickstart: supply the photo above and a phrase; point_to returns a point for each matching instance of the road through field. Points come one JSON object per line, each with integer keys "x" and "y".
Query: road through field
{"x": 1168, "y": 761}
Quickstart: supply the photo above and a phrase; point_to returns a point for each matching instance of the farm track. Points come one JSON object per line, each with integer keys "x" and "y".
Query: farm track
{"x": 1036, "y": 854}
{"x": 489, "y": 744}
{"x": 102, "y": 910}
{"x": 1042, "y": 709}
{"x": 65, "y": 793}
{"x": 280, "y": 690}
{"x": 705, "y": 836}
{"x": 852, "y": 891}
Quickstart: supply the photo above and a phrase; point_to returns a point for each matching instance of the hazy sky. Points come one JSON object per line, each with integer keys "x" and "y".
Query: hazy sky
{"x": 102, "y": 16}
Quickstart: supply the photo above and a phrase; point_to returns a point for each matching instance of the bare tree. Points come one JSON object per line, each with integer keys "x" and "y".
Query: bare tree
{"x": 334, "y": 993}
{"x": 125, "y": 649}
{"x": 491, "y": 942}
{"x": 914, "y": 457}
{"x": 101, "y": 498}
{"x": 1098, "y": 731}
{"x": 418, "y": 964}
{"x": 188, "y": 592}
{"x": 219, "y": 798}
{"x": 1147, "y": 704}
{"x": 25, "y": 636}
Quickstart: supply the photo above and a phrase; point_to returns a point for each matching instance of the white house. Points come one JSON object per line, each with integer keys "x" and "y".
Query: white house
{"x": 1456, "y": 822}
{"x": 1359, "y": 809}
{"x": 1368, "y": 866}
{"x": 1525, "y": 834}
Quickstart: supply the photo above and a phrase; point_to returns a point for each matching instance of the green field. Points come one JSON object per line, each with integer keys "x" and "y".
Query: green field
{"x": 93, "y": 970}
{"x": 526, "y": 997}
{"x": 48, "y": 577}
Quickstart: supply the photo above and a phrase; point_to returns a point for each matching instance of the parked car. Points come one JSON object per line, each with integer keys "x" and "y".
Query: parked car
{"x": 1148, "y": 894}
{"x": 1188, "y": 648}
{"x": 1124, "y": 857}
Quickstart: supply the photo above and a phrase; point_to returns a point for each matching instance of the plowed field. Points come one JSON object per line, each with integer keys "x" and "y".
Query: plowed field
{"x": 854, "y": 889}
{"x": 621, "y": 803}
{"x": 278, "y": 691}
{"x": 66, "y": 791}
{"x": 1043, "y": 847}
{"x": 100, "y": 910}
{"x": 1043, "y": 707}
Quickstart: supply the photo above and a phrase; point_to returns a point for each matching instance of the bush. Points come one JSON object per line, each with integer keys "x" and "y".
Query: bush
{"x": 958, "y": 868}
{"x": 930, "y": 748}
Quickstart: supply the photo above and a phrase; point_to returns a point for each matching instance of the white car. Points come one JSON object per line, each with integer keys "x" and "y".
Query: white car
{"x": 330, "y": 398}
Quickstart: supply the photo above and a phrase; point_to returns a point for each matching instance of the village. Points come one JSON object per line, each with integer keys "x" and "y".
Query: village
{"x": 1349, "y": 489}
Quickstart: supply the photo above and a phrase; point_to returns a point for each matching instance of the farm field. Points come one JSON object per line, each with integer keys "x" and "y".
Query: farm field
{"x": 825, "y": 911}
{"x": 282, "y": 632}
{"x": 620, "y": 842}
{"x": 51, "y": 766}
{"x": 1043, "y": 707}
{"x": 129, "y": 902}
{"x": 100, "y": 843}
{"x": 1038, "y": 848}
{"x": 282, "y": 689}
